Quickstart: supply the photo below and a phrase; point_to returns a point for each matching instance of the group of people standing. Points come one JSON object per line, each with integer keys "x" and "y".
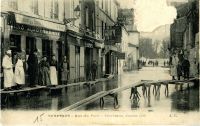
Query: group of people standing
{"x": 16, "y": 79}
{"x": 39, "y": 72}
{"x": 179, "y": 67}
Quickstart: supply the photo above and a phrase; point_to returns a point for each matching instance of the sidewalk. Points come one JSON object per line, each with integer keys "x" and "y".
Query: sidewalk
{"x": 27, "y": 89}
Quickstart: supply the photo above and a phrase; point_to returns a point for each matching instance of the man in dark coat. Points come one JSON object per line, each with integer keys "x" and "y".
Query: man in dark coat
{"x": 94, "y": 70}
{"x": 33, "y": 68}
{"x": 179, "y": 70}
{"x": 186, "y": 68}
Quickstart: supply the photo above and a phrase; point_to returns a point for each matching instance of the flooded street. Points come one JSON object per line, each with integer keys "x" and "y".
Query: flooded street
{"x": 178, "y": 101}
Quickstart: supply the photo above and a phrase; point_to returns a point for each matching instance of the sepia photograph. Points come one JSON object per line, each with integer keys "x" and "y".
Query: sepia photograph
{"x": 99, "y": 62}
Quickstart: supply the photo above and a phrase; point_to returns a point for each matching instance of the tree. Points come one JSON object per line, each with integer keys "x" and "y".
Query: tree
{"x": 146, "y": 48}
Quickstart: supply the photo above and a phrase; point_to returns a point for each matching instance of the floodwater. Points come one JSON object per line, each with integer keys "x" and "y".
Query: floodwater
{"x": 186, "y": 100}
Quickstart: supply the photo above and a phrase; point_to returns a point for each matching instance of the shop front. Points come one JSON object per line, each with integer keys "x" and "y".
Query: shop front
{"x": 26, "y": 34}
{"x": 76, "y": 54}
{"x": 89, "y": 49}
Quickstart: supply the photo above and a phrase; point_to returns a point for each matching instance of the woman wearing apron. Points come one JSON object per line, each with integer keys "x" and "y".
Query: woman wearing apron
{"x": 53, "y": 71}
{"x": 19, "y": 72}
{"x": 65, "y": 71}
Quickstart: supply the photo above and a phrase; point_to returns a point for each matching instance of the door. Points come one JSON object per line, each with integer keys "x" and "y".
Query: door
{"x": 60, "y": 59}
{"x": 47, "y": 48}
{"x": 88, "y": 62}
{"x": 77, "y": 61}
{"x": 15, "y": 46}
{"x": 107, "y": 63}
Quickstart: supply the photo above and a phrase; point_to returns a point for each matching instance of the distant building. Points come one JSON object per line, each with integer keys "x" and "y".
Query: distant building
{"x": 132, "y": 52}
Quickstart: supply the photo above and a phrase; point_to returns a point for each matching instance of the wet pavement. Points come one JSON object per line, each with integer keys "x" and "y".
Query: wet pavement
{"x": 186, "y": 100}
{"x": 179, "y": 101}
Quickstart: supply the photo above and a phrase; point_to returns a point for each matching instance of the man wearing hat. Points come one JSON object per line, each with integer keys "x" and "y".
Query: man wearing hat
{"x": 8, "y": 70}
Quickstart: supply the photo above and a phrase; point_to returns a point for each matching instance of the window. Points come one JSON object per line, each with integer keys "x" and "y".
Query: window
{"x": 47, "y": 48}
{"x": 102, "y": 29}
{"x": 73, "y": 7}
{"x": 54, "y": 9}
{"x": 35, "y": 6}
{"x": 102, "y": 4}
{"x": 106, "y": 6}
{"x": 86, "y": 17}
{"x": 13, "y": 4}
{"x": 93, "y": 21}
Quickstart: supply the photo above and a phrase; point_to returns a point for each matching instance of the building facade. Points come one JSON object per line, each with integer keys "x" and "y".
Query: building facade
{"x": 81, "y": 30}
{"x": 30, "y": 25}
{"x": 184, "y": 33}
{"x": 132, "y": 56}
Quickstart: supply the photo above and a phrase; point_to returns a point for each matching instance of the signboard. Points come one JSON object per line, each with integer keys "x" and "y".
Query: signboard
{"x": 121, "y": 20}
{"x": 21, "y": 19}
{"x": 32, "y": 29}
{"x": 88, "y": 45}
{"x": 120, "y": 55}
{"x": 118, "y": 34}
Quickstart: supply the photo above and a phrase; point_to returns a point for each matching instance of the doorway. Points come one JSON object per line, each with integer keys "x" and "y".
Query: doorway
{"x": 47, "y": 48}
{"x": 88, "y": 62}
{"x": 15, "y": 46}
{"x": 77, "y": 61}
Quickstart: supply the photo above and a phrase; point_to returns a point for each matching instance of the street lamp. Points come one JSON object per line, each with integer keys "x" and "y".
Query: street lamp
{"x": 77, "y": 15}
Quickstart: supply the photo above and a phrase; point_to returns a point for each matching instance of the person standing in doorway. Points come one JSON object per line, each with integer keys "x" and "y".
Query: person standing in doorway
{"x": 53, "y": 71}
{"x": 94, "y": 70}
{"x": 186, "y": 68}
{"x": 179, "y": 70}
{"x": 19, "y": 73}
{"x": 174, "y": 63}
{"x": 33, "y": 68}
{"x": 64, "y": 71}
{"x": 44, "y": 76}
{"x": 8, "y": 71}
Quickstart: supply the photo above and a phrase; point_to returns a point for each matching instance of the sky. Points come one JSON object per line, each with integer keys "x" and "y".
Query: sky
{"x": 150, "y": 14}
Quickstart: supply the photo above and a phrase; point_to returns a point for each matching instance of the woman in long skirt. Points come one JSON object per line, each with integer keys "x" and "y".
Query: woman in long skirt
{"x": 174, "y": 64}
{"x": 65, "y": 71}
{"x": 53, "y": 71}
{"x": 44, "y": 76}
{"x": 19, "y": 72}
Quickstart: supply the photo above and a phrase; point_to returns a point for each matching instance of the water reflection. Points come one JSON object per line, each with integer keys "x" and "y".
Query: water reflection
{"x": 186, "y": 100}
{"x": 43, "y": 100}
{"x": 54, "y": 103}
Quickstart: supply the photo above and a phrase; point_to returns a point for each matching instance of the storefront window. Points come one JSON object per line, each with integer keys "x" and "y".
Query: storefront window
{"x": 47, "y": 48}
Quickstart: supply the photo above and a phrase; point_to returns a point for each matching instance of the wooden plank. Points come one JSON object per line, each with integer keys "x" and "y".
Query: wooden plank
{"x": 23, "y": 90}
{"x": 73, "y": 84}
{"x": 77, "y": 104}
{"x": 116, "y": 90}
